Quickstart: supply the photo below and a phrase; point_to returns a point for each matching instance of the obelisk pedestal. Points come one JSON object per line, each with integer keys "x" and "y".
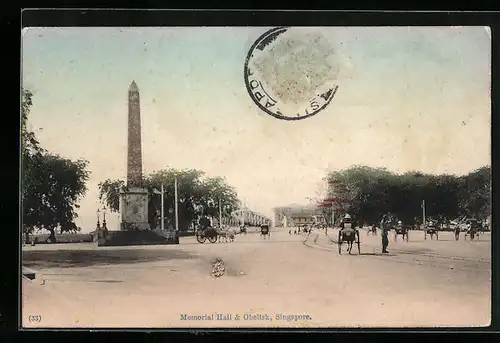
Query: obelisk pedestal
{"x": 134, "y": 209}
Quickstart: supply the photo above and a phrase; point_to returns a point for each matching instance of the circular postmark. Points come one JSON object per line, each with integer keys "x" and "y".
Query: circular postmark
{"x": 291, "y": 72}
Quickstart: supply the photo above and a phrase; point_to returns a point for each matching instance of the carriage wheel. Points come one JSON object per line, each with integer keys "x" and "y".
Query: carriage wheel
{"x": 201, "y": 239}
{"x": 212, "y": 239}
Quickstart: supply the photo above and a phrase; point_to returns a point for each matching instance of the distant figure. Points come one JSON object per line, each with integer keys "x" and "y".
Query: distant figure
{"x": 456, "y": 230}
{"x": 204, "y": 223}
{"x": 384, "y": 231}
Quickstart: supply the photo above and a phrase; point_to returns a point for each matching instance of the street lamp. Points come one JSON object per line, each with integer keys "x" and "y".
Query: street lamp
{"x": 104, "y": 218}
{"x": 98, "y": 218}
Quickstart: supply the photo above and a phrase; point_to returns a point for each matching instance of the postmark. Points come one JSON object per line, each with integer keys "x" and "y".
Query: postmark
{"x": 291, "y": 73}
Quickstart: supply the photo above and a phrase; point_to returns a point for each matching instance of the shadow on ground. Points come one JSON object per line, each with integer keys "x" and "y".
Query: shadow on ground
{"x": 86, "y": 258}
{"x": 236, "y": 241}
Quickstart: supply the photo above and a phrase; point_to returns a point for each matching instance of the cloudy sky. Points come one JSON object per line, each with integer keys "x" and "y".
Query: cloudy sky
{"x": 409, "y": 99}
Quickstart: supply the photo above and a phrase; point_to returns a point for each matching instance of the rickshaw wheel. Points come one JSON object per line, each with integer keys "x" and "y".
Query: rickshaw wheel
{"x": 201, "y": 239}
{"x": 212, "y": 239}
{"x": 358, "y": 243}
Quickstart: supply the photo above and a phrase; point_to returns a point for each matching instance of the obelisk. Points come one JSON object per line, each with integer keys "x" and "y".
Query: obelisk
{"x": 134, "y": 156}
{"x": 134, "y": 198}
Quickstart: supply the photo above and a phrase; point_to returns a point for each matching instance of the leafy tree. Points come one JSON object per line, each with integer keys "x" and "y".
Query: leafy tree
{"x": 51, "y": 185}
{"x": 196, "y": 196}
{"x": 29, "y": 143}
{"x": 475, "y": 197}
{"x": 371, "y": 192}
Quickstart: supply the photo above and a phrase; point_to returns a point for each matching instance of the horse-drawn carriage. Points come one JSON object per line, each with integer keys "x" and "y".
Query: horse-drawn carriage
{"x": 214, "y": 235}
{"x": 350, "y": 235}
{"x": 264, "y": 231}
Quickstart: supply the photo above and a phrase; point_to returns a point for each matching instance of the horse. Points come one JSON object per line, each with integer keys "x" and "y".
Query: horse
{"x": 225, "y": 234}
{"x": 230, "y": 235}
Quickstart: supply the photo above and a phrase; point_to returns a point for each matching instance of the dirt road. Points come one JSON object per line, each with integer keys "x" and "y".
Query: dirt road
{"x": 285, "y": 281}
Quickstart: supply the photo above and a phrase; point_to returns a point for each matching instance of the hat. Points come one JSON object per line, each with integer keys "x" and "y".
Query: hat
{"x": 347, "y": 216}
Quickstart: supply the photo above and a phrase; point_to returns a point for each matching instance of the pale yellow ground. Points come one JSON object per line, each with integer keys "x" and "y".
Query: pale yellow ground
{"x": 421, "y": 283}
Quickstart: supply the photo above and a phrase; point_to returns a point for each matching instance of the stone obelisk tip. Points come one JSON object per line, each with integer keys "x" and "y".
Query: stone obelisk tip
{"x": 133, "y": 87}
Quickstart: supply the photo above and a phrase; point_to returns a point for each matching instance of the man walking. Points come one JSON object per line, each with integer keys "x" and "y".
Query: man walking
{"x": 384, "y": 233}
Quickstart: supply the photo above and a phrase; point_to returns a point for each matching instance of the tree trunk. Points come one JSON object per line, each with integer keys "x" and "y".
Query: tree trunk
{"x": 52, "y": 238}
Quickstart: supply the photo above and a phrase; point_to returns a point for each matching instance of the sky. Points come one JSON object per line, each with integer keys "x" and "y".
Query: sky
{"x": 409, "y": 98}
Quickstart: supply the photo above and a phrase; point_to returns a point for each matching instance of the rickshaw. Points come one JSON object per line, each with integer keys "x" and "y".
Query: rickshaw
{"x": 401, "y": 230}
{"x": 349, "y": 235}
{"x": 431, "y": 230}
{"x": 264, "y": 231}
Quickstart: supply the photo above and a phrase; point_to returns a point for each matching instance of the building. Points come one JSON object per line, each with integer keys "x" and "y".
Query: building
{"x": 298, "y": 215}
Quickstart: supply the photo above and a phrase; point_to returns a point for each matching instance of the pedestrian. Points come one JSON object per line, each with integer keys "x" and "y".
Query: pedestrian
{"x": 384, "y": 232}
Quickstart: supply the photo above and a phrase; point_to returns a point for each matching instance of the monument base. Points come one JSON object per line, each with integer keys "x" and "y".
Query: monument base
{"x": 138, "y": 237}
{"x": 134, "y": 226}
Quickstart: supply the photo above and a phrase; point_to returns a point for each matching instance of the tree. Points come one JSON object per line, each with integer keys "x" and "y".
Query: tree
{"x": 51, "y": 185}
{"x": 475, "y": 197}
{"x": 196, "y": 196}
{"x": 372, "y": 192}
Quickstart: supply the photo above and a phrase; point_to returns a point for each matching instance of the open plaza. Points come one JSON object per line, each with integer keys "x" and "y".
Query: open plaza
{"x": 284, "y": 281}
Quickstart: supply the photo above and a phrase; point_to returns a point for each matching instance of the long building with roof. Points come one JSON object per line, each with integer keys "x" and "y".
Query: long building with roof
{"x": 298, "y": 215}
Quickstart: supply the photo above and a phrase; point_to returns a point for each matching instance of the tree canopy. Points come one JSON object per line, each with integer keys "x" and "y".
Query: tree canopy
{"x": 370, "y": 192}
{"x": 197, "y": 195}
{"x": 51, "y": 185}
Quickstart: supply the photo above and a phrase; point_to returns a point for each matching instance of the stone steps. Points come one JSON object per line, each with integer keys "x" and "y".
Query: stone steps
{"x": 139, "y": 237}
